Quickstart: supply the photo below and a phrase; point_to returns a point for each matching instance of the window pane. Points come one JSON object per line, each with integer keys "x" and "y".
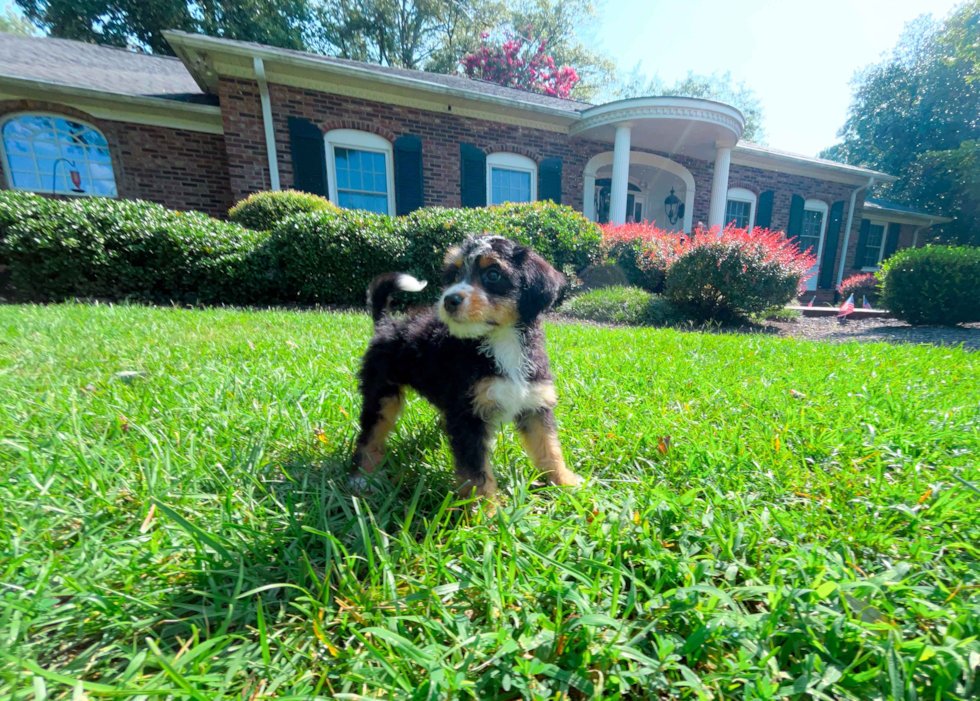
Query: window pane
{"x": 360, "y": 200}
{"x": 362, "y": 179}
{"x": 26, "y": 181}
{"x": 509, "y": 186}
{"x": 738, "y": 213}
{"x": 49, "y": 155}
{"x": 810, "y": 235}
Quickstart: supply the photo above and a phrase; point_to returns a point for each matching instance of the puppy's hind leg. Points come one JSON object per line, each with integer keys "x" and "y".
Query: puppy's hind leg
{"x": 378, "y": 416}
{"x": 539, "y": 434}
{"x": 469, "y": 438}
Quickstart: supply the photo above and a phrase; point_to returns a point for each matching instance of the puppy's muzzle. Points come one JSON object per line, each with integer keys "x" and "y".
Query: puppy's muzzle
{"x": 452, "y": 302}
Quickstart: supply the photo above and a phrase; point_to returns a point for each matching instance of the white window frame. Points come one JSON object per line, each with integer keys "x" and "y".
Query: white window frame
{"x": 360, "y": 141}
{"x": 511, "y": 161}
{"x": 818, "y": 206}
{"x": 884, "y": 223}
{"x": 5, "y": 163}
{"x": 740, "y": 194}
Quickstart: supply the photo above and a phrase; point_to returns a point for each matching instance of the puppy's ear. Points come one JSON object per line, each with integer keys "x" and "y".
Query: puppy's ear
{"x": 541, "y": 285}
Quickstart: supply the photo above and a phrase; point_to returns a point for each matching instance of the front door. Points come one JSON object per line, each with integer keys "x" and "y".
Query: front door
{"x": 603, "y": 197}
{"x": 811, "y": 237}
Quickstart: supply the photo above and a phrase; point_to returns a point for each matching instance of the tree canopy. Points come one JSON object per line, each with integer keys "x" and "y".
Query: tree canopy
{"x": 138, "y": 24}
{"x": 916, "y": 114}
{"x": 720, "y": 87}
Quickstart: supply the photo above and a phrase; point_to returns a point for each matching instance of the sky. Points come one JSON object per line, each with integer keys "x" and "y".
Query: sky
{"x": 799, "y": 57}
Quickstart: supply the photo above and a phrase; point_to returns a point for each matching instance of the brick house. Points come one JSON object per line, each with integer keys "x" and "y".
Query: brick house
{"x": 228, "y": 118}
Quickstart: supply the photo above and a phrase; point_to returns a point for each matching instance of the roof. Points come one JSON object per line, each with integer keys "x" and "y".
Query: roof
{"x": 455, "y": 82}
{"x": 892, "y": 208}
{"x": 749, "y": 147}
{"x": 77, "y": 64}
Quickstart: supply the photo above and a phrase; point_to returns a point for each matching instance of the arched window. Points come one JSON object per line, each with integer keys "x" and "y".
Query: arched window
{"x": 359, "y": 171}
{"x": 740, "y": 209}
{"x": 511, "y": 178}
{"x": 50, "y": 153}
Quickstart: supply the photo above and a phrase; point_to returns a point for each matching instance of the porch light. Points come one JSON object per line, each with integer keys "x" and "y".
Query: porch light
{"x": 672, "y": 205}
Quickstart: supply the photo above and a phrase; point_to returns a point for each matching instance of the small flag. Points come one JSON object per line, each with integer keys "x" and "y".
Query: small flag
{"x": 866, "y": 304}
{"x": 847, "y": 307}
{"x": 812, "y": 301}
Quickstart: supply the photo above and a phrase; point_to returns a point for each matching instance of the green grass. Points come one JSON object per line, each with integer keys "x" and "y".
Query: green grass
{"x": 622, "y": 305}
{"x": 809, "y": 529}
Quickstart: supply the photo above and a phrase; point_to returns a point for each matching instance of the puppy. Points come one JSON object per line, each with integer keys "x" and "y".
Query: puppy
{"x": 479, "y": 356}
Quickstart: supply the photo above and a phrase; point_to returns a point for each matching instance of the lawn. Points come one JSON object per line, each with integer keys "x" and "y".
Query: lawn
{"x": 764, "y": 518}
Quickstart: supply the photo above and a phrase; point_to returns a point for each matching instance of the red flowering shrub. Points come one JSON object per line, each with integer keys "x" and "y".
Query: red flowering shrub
{"x": 520, "y": 62}
{"x": 642, "y": 251}
{"x": 729, "y": 276}
{"x": 861, "y": 285}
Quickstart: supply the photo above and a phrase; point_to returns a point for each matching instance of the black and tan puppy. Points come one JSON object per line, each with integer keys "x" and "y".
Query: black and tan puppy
{"x": 479, "y": 356}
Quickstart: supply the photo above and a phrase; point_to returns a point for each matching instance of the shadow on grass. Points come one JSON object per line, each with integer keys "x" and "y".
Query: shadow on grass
{"x": 314, "y": 528}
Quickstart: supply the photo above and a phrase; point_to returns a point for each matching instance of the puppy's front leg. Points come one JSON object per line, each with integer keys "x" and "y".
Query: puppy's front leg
{"x": 539, "y": 434}
{"x": 469, "y": 438}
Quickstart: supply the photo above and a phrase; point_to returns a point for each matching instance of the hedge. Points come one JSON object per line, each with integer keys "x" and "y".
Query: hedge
{"x": 122, "y": 249}
{"x": 262, "y": 211}
{"x": 933, "y": 285}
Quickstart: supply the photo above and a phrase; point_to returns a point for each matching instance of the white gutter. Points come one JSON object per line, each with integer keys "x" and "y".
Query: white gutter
{"x": 850, "y": 222}
{"x": 270, "y": 133}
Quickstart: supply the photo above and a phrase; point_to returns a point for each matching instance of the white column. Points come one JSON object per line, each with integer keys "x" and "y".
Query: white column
{"x": 719, "y": 186}
{"x": 620, "y": 174}
{"x": 588, "y": 197}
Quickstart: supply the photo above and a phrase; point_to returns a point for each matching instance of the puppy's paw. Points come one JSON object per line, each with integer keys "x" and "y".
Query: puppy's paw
{"x": 360, "y": 482}
{"x": 567, "y": 478}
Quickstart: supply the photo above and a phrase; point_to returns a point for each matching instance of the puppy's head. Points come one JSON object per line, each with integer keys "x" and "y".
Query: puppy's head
{"x": 490, "y": 282}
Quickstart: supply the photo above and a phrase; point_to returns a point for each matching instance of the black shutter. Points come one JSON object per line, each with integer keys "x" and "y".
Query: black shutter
{"x": 891, "y": 243}
{"x": 309, "y": 156}
{"x": 763, "y": 215}
{"x": 409, "y": 194}
{"x": 549, "y": 180}
{"x": 795, "y": 227}
{"x": 860, "y": 255}
{"x": 825, "y": 278}
{"x": 473, "y": 176}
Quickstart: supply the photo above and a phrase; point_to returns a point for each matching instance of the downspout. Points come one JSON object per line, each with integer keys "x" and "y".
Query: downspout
{"x": 915, "y": 235}
{"x": 270, "y": 134}
{"x": 847, "y": 232}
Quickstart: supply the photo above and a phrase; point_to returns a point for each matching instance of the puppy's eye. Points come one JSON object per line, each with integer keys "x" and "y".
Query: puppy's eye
{"x": 493, "y": 275}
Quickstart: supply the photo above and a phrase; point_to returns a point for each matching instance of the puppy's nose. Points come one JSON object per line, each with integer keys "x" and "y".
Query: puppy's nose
{"x": 452, "y": 302}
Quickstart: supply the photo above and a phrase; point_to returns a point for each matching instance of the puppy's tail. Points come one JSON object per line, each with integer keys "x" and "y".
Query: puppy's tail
{"x": 382, "y": 287}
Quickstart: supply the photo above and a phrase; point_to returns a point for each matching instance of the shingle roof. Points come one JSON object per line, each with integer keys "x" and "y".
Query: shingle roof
{"x": 457, "y": 82}
{"x": 892, "y": 207}
{"x": 94, "y": 67}
{"x": 749, "y": 146}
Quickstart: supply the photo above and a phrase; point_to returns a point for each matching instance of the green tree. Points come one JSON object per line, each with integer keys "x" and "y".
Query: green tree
{"x": 138, "y": 24}
{"x": 720, "y": 87}
{"x": 916, "y": 114}
{"x": 13, "y": 23}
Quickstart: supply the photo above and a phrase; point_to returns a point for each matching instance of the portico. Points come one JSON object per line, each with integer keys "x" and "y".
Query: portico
{"x": 645, "y": 186}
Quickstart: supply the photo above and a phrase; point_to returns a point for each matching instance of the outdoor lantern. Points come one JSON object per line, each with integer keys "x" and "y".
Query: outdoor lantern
{"x": 673, "y": 206}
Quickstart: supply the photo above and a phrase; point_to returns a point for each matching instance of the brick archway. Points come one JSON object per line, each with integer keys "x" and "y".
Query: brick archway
{"x": 358, "y": 126}
{"x": 513, "y": 148}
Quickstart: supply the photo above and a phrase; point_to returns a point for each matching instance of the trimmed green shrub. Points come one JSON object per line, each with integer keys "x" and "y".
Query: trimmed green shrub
{"x": 642, "y": 251}
{"x": 933, "y": 285}
{"x": 262, "y": 211}
{"x": 724, "y": 282}
{"x": 331, "y": 257}
{"x": 622, "y": 305}
{"x": 861, "y": 285}
{"x": 124, "y": 249}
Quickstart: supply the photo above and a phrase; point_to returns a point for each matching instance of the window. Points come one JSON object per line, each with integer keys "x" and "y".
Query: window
{"x": 874, "y": 245}
{"x": 359, "y": 171}
{"x": 740, "y": 209}
{"x": 812, "y": 231}
{"x": 511, "y": 178}
{"x": 48, "y": 153}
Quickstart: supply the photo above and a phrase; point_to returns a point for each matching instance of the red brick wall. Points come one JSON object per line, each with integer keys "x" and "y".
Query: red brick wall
{"x": 174, "y": 167}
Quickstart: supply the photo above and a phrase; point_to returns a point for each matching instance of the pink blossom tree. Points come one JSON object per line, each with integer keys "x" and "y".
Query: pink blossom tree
{"x": 520, "y": 62}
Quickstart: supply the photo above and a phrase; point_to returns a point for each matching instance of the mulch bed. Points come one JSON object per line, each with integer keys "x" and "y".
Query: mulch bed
{"x": 877, "y": 330}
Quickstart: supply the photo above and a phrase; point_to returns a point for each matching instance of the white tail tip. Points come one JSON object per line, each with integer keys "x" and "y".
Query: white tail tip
{"x": 407, "y": 283}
